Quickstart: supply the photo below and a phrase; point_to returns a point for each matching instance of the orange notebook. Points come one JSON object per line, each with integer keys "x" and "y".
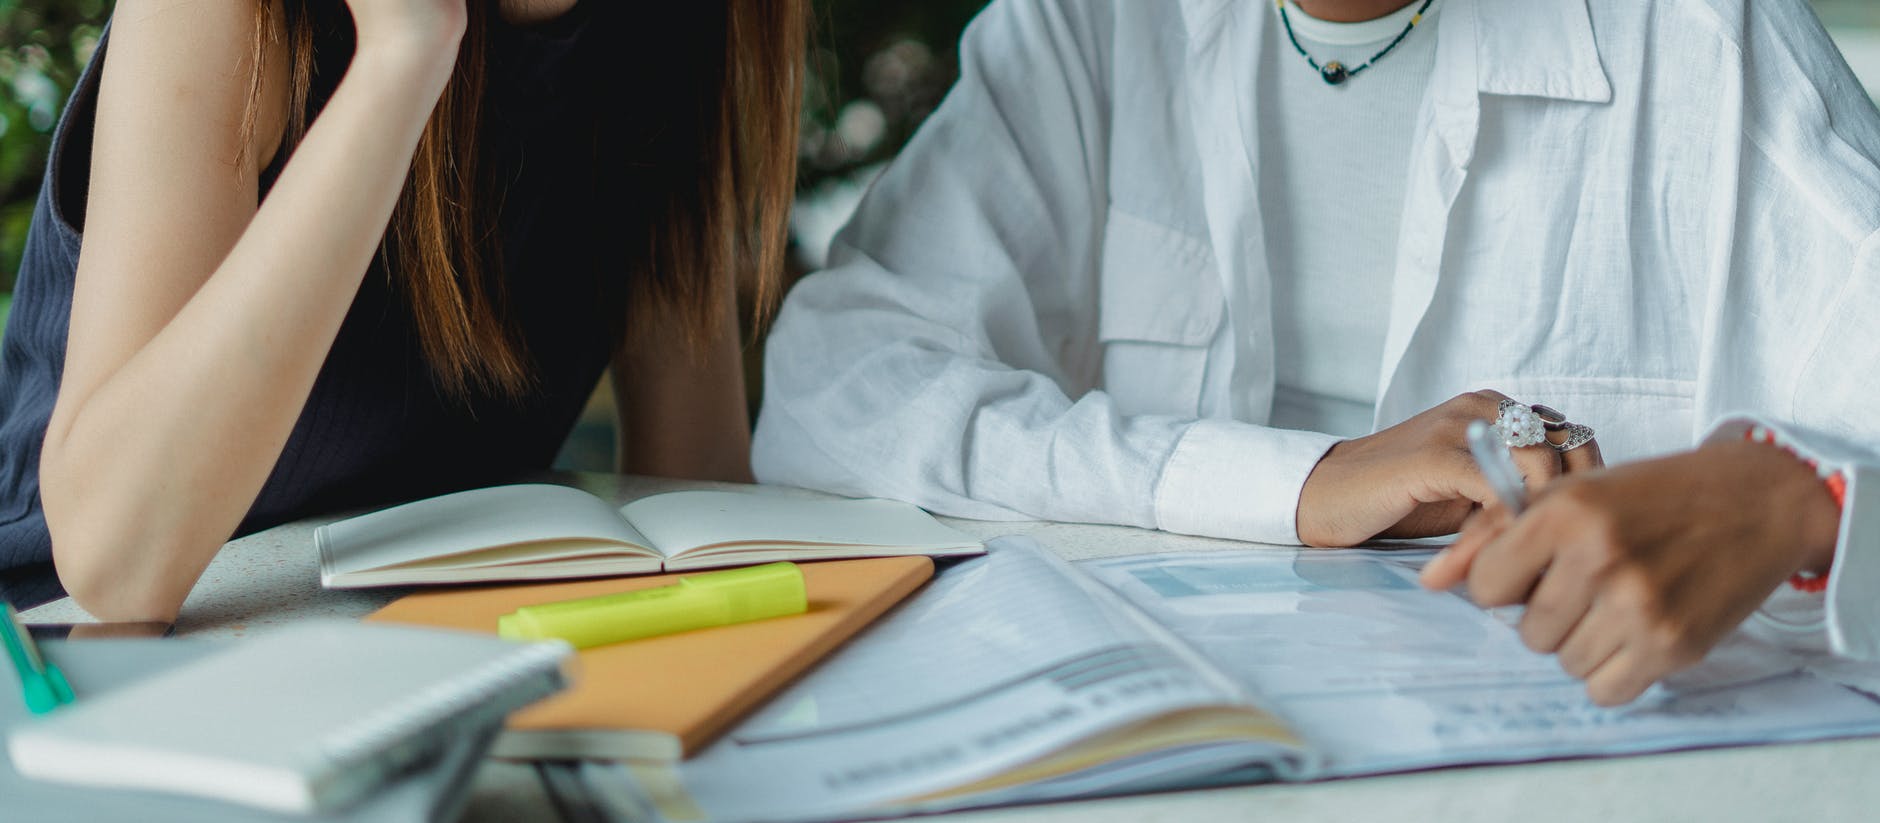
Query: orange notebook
{"x": 664, "y": 698}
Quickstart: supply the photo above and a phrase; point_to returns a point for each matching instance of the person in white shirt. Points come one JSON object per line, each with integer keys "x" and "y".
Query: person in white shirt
{"x": 1247, "y": 270}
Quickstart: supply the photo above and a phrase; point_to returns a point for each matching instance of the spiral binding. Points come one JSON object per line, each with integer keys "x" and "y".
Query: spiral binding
{"x": 382, "y": 730}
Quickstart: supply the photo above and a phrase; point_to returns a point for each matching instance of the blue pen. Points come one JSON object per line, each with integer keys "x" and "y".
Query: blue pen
{"x": 42, "y": 684}
{"x": 1497, "y": 464}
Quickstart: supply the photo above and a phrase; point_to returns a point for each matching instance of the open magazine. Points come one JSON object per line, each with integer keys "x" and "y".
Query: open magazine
{"x": 1017, "y": 677}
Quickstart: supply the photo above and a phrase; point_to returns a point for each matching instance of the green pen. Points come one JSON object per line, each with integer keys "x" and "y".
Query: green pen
{"x": 41, "y": 683}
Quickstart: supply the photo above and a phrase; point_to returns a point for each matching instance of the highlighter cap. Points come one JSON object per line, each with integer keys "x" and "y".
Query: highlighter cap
{"x": 509, "y": 627}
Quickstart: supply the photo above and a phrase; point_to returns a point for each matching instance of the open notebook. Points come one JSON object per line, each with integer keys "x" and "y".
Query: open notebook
{"x": 1019, "y": 678}
{"x": 543, "y": 532}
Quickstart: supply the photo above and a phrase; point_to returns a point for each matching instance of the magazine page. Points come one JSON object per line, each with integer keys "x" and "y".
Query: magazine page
{"x": 1379, "y": 674}
{"x": 981, "y": 686}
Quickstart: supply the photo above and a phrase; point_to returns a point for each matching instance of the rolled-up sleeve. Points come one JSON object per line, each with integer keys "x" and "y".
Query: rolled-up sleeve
{"x": 1849, "y": 610}
{"x": 1793, "y": 291}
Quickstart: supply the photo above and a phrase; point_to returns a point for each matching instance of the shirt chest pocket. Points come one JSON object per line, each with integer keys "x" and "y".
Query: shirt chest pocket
{"x": 1160, "y": 305}
{"x": 1634, "y": 417}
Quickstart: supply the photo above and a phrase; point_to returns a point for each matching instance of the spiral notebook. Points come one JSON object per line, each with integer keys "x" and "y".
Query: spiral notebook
{"x": 436, "y": 792}
{"x": 304, "y": 720}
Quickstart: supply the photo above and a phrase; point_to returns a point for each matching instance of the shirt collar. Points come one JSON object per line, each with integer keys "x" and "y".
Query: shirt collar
{"x": 1538, "y": 48}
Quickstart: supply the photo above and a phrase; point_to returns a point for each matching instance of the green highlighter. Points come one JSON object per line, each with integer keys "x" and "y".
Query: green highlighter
{"x": 42, "y": 683}
{"x": 695, "y": 602}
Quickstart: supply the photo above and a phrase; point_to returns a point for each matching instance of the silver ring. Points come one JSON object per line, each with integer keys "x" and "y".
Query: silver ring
{"x": 1518, "y": 425}
{"x": 1551, "y": 418}
{"x": 1577, "y": 435}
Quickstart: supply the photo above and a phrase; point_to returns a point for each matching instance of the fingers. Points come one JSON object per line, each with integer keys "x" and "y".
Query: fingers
{"x": 1583, "y": 458}
{"x": 1431, "y": 519}
{"x": 1596, "y": 645}
{"x": 1535, "y": 467}
{"x": 1624, "y": 676}
{"x": 1559, "y": 603}
{"x": 1606, "y": 651}
{"x": 1415, "y": 478}
{"x": 1592, "y": 642}
{"x": 1539, "y": 465}
{"x": 1455, "y": 476}
{"x": 1451, "y": 566}
{"x": 1506, "y": 561}
{"x": 1506, "y": 569}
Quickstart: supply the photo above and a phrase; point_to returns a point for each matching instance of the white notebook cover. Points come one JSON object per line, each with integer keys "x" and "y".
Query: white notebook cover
{"x": 305, "y": 719}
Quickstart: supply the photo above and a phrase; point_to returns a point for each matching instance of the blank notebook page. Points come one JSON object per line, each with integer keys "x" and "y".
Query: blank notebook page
{"x": 681, "y": 521}
{"x": 476, "y": 519}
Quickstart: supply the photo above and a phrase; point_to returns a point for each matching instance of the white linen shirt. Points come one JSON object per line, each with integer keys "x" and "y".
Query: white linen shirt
{"x": 1055, "y": 303}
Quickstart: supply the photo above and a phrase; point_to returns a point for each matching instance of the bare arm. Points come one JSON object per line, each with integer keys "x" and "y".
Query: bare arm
{"x": 681, "y": 414}
{"x": 200, "y": 321}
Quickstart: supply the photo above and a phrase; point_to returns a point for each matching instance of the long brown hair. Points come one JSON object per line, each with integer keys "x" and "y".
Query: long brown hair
{"x": 727, "y": 126}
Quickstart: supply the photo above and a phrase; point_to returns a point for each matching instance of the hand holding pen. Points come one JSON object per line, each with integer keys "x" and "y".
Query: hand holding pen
{"x": 1633, "y": 573}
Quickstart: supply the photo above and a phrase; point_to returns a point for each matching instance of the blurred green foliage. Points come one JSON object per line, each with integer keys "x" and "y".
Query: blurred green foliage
{"x": 1849, "y": 13}
{"x": 43, "y": 46}
{"x": 877, "y": 69}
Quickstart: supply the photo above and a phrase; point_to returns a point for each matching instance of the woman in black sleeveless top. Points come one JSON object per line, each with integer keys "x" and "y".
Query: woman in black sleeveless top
{"x": 387, "y": 255}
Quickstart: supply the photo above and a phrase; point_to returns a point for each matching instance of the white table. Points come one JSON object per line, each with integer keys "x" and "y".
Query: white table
{"x": 272, "y": 578}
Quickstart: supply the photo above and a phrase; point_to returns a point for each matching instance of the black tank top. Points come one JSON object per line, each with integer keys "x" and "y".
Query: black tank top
{"x": 375, "y": 428}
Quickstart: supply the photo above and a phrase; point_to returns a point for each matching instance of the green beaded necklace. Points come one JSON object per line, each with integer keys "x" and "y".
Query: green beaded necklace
{"x": 1335, "y": 72}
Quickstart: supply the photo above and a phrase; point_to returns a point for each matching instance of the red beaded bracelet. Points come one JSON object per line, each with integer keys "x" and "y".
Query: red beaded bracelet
{"x": 1837, "y": 488}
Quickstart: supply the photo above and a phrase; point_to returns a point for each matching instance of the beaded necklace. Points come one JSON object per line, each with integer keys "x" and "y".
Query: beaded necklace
{"x": 1335, "y": 73}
